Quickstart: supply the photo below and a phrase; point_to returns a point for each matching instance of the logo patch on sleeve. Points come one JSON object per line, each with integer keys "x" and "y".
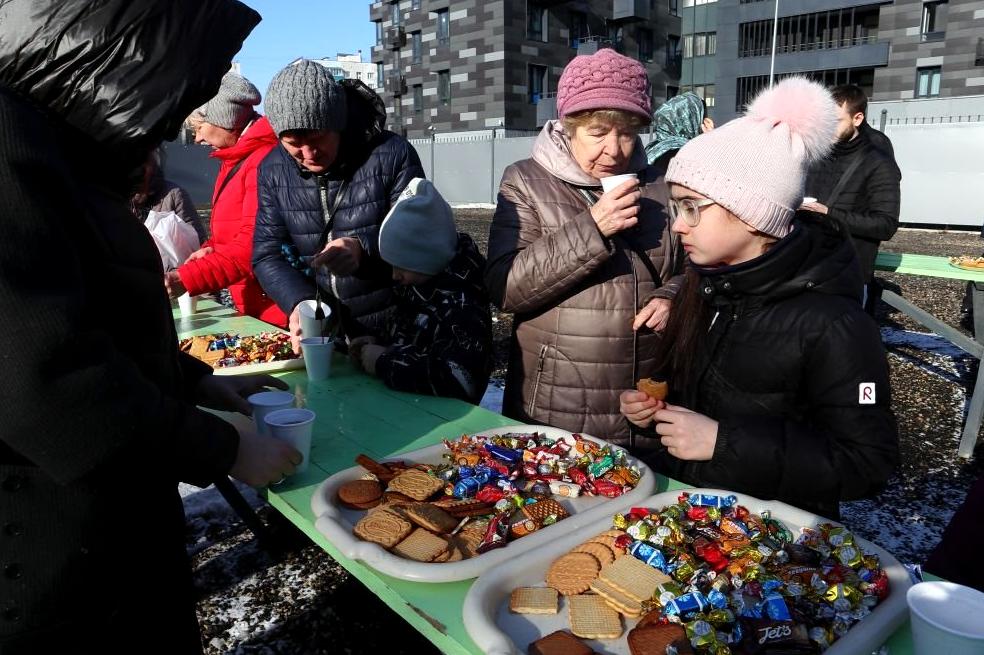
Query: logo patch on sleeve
{"x": 866, "y": 393}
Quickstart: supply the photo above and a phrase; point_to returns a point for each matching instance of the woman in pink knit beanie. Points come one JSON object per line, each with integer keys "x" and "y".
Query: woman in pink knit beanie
{"x": 779, "y": 382}
{"x": 582, "y": 268}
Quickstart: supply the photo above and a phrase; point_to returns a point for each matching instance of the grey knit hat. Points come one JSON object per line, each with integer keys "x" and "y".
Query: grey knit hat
{"x": 305, "y": 96}
{"x": 418, "y": 234}
{"x": 232, "y": 106}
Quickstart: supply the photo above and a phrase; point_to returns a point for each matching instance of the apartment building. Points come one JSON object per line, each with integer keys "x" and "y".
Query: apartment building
{"x": 894, "y": 50}
{"x": 475, "y": 65}
{"x": 350, "y": 66}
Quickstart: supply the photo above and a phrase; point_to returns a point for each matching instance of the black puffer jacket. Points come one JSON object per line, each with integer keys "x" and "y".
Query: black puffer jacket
{"x": 375, "y": 167}
{"x": 787, "y": 351}
{"x": 96, "y": 421}
{"x": 440, "y": 336}
{"x": 869, "y": 204}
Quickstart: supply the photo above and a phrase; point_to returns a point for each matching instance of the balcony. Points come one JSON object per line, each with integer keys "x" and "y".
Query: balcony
{"x": 546, "y": 108}
{"x": 591, "y": 44}
{"x": 396, "y": 37}
{"x": 630, "y": 10}
{"x": 811, "y": 45}
{"x": 395, "y": 84}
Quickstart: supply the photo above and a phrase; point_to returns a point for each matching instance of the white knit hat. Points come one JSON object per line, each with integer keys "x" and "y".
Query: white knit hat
{"x": 755, "y": 166}
{"x": 418, "y": 234}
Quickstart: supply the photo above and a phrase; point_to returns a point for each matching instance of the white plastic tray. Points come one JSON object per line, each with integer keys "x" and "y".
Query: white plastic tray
{"x": 500, "y": 632}
{"x": 336, "y": 522}
{"x": 265, "y": 367}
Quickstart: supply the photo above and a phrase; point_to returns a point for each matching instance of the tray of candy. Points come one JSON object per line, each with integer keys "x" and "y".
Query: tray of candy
{"x": 235, "y": 354}
{"x": 336, "y": 521}
{"x": 499, "y": 631}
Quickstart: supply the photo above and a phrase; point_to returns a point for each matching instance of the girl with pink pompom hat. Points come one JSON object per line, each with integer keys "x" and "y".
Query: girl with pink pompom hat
{"x": 778, "y": 379}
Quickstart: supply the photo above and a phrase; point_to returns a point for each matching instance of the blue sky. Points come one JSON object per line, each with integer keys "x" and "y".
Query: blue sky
{"x": 303, "y": 28}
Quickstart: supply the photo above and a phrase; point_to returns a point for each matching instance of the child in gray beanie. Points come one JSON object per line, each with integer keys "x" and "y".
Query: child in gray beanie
{"x": 438, "y": 341}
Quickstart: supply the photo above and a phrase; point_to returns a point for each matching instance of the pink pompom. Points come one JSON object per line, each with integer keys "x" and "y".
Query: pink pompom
{"x": 806, "y": 108}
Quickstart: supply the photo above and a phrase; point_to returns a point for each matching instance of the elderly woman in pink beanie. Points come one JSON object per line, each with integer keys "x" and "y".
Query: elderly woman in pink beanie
{"x": 778, "y": 379}
{"x": 588, "y": 273}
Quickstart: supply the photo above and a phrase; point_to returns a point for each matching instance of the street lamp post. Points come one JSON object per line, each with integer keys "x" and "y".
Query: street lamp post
{"x": 775, "y": 29}
{"x": 433, "y": 132}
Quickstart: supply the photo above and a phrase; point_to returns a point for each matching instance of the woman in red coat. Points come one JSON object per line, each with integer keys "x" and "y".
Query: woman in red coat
{"x": 241, "y": 139}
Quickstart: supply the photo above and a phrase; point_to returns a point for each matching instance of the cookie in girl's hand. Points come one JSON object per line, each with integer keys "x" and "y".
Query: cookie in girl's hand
{"x": 653, "y": 389}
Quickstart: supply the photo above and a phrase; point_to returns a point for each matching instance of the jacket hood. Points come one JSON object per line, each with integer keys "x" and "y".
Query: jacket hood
{"x": 552, "y": 151}
{"x": 257, "y": 135}
{"x": 464, "y": 272}
{"x": 126, "y": 74}
{"x": 817, "y": 256}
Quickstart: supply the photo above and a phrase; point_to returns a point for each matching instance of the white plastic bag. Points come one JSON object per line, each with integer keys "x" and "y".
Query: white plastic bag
{"x": 175, "y": 239}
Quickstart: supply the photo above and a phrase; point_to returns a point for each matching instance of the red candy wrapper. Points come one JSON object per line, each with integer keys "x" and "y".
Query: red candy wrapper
{"x": 608, "y": 488}
{"x": 490, "y": 494}
{"x": 495, "y": 535}
{"x": 697, "y": 514}
{"x": 710, "y": 553}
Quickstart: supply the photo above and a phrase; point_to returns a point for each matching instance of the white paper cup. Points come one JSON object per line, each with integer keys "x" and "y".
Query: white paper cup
{"x": 609, "y": 183}
{"x": 188, "y": 304}
{"x": 947, "y": 619}
{"x": 264, "y": 402}
{"x": 317, "y": 357}
{"x": 295, "y": 426}
{"x": 310, "y": 326}
{"x": 808, "y": 199}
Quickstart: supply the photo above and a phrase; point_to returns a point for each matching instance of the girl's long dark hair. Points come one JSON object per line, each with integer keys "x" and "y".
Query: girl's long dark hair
{"x": 677, "y": 352}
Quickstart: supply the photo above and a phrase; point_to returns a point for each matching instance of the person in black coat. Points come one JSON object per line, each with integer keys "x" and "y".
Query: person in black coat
{"x": 438, "y": 339}
{"x": 98, "y": 422}
{"x": 858, "y": 184}
{"x": 325, "y": 191}
{"x": 778, "y": 380}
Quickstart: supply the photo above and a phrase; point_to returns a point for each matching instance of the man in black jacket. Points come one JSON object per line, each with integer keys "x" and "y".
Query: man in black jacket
{"x": 98, "y": 422}
{"x": 857, "y": 185}
{"x": 325, "y": 190}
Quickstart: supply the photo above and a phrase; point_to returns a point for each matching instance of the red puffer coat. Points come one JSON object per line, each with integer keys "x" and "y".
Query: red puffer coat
{"x": 233, "y": 219}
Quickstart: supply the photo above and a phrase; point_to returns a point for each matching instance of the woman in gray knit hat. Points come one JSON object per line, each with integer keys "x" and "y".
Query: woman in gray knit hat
{"x": 323, "y": 194}
{"x": 240, "y": 139}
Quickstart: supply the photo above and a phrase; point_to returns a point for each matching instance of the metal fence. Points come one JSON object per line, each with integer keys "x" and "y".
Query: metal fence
{"x": 939, "y": 157}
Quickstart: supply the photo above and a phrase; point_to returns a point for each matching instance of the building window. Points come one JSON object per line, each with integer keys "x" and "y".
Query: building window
{"x": 691, "y": 3}
{"x": 674, "y": 7}
{"x": 933, "y": 26}
{"x": 416, "y": 44}
{"x": 700, "y": 45}
{"x": 444, "y": 87}
{"x": 615, "y": 35}
{"x": 537, "y": 82}
{"x": 536, "y": 22}
{"x": 418, "y": 98}
{"x": 712, "y": 43}
{"x": 398, "y": 109}
{"x": 379, "y": 32}
{"x": 415, "y": 4}
{"x": 928, "y": 82}
{"x": 645, "y": 39}
{"x": 579, "y": 27}
{"x": 706, "y": 93}
{"x": 395, "y": 16}
{"x": 443, "y": 27}
{"x": 688, "y": 46}
{"x": 672, "y": 50}
{"x": 379, "y": 75}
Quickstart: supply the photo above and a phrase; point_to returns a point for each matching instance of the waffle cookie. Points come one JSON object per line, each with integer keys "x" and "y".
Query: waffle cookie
{"x": 592, "y": 618}
{"x": 533, "y": 600}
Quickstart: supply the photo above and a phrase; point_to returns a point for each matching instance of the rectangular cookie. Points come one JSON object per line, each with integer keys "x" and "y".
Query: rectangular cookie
{"x": 592, "y": 618}
{"x": 422, "y": 546}
{"x": 533, "y": 600}
{"x": 633, "y": 577}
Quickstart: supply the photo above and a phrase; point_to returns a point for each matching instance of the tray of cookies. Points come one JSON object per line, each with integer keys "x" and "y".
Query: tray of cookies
{"x": 455, "y": 509}
{"x": 701, "y": 571}
{"x": 234, "y": 354}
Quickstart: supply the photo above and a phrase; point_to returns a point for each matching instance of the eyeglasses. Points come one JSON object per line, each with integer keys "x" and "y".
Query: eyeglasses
{"x": 688, "y": 209}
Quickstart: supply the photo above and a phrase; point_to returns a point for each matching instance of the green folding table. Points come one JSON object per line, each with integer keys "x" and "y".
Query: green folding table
{"x": 940, "y": 267}
{"x": 358, "y": 414}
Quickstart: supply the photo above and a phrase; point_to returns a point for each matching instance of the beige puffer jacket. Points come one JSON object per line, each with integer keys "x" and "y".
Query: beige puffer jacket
{"x": 573, "y": 291}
